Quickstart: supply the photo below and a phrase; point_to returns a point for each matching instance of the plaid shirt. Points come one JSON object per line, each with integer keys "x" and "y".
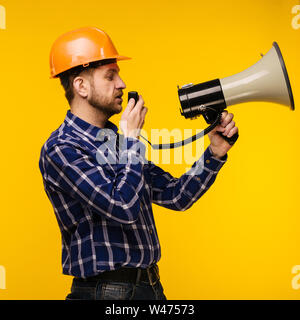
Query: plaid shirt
{"x": 102, "y": 189}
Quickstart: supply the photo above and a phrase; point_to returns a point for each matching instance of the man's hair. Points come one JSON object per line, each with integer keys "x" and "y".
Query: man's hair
{"x": 67, "y": 77}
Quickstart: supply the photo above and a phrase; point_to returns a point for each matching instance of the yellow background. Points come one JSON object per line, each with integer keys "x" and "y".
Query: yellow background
{"x": 242, "y": 239}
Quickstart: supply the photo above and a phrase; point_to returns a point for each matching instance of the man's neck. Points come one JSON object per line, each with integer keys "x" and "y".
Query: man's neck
{"x": 89, "y": 114}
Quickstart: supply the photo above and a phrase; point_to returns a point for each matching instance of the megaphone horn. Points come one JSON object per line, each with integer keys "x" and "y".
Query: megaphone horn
{"x": 267, "y": 80}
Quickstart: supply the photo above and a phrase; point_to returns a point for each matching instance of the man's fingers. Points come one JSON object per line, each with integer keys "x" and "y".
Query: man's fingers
{"x": 134, "y": 115}
{"x": 128, "y": 108}
{"x": 232, "y": 132}
{"x": 229, "y": 127}
{"x": 144, "y": 111}
{"x": 226, "y": 119}
{"x": 218, "y": 128}
{"x": 143, "y": 114}
{"x": 138, "y": 106}
{"x": 130, "y": 104}
{"x": 223, "y": 115}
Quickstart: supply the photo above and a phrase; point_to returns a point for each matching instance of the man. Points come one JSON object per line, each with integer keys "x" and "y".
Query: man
{"x": 104, "y": 208}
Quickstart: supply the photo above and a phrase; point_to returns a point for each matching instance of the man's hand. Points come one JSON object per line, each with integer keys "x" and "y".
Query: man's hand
{"x": 133, "y": 118}
{"x": 218, "y": 145}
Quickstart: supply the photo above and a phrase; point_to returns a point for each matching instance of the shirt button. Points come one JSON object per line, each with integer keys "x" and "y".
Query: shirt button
{"x": 150, "y": 231}
{"x": 207, "y": 161}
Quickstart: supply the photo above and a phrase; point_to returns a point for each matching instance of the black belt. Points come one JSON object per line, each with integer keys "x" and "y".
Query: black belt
{"x": 133, "y": 275}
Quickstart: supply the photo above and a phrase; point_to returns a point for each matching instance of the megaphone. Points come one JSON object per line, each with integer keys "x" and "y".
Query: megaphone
{"x": 267, "y": 80}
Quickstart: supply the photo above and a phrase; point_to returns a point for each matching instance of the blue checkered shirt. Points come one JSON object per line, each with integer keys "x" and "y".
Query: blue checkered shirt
{"x": 102, "y": 188}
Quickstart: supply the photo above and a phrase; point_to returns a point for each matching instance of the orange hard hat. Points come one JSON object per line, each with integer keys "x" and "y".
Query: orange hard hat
{"x": 80, "y": 47}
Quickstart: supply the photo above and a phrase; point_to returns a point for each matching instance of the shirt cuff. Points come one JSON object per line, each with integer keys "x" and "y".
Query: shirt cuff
{"x": 207, "y": 164}
{"x": 211, "y": 162}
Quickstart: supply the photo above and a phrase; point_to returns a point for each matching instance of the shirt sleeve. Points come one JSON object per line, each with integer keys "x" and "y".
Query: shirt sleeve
{"x": 181, "y": 193}
{"x": 114, "y": 194}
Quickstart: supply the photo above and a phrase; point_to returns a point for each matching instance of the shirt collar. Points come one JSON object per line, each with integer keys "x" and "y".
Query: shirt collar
{"x": 86, "y": 128}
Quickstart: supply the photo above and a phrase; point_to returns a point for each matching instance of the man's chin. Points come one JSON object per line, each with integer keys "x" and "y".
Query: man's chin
{"x": 118, "y": 108}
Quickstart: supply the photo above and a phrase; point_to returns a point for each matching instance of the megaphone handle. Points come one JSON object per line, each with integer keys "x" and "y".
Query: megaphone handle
{"x": 230, "y": 140}
{"x": 212, "y": 115}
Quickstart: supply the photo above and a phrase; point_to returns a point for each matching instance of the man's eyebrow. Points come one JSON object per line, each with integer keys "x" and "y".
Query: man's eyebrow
{"x": 112, "y": 70}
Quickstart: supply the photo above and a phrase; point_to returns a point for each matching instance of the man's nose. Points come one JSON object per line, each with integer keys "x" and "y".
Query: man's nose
{"x": 121, "y": 84}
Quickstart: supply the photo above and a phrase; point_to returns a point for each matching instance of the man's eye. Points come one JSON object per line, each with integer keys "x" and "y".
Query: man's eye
{"x": 110, "y": 78}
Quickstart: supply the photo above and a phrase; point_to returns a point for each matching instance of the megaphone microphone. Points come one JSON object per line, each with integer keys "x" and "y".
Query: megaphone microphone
{"x": 267, "y": 80}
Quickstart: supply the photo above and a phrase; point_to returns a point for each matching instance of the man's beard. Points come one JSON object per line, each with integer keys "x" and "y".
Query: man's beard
{"x": 106, "y": 108}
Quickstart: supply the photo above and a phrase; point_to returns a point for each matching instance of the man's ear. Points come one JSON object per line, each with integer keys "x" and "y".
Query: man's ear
{"x": 81, "y": 86}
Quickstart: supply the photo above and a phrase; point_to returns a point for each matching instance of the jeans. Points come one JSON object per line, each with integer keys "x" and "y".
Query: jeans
{"x": 111, "y": 290}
